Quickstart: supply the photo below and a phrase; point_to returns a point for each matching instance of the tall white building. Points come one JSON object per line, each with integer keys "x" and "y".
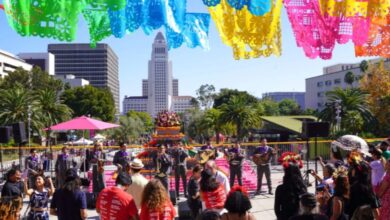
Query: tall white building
{"x": 10, "y": 62}
{"x": 160, "y": 91}
{"x": 332, "y": 77}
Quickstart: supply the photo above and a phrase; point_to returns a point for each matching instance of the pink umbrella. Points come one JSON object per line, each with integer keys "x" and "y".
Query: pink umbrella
{"x": 83, "y": 123}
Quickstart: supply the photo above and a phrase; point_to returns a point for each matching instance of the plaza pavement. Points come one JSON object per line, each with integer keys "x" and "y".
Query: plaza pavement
{"x": 262, "y": 205}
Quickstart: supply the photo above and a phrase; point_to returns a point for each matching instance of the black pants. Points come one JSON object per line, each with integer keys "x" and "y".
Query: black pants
{"x": 264, "y": 170}
{"x": 97, "y": 180}
{"x": 164, "y": 180}
{"x": 195, "y": 206}
{"x": 235, "y": 170}
{"x": 180, "y": 171}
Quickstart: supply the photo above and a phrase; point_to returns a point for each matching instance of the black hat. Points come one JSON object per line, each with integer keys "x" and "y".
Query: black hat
{"x": 123, "y": 179}
{"x": 308, "y": 200}
{"x": 71, "y": 174}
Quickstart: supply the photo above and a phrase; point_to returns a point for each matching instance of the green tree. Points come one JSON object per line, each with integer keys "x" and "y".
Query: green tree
{"x": 88, "y": 100}
{"x": 144, "y": 117}
{"x": 14, "y": 104}
{"x": 289, "y": 107}
{"x": 225, "y": 95}
{"x": 269, "y": 106}
{"x": 353, "y": 122}
{"x": 129, "y": 131}
{"x": 363, "y": 66}
{"x": 212, "y": 119}
{"x": 52, "y": 110}
{"x": 349, "y": 78}
{"x": 349, "y": 99}
{"x": 206, "y": 95}
{"x": 34, "y": 80}
{"x": 238, "y": 112}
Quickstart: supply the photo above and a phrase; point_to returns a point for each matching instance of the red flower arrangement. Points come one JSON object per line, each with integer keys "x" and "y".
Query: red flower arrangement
{"x": 238, "y": 188}
{"x": 288, "y": 158}
{"x": 167, "y": 119}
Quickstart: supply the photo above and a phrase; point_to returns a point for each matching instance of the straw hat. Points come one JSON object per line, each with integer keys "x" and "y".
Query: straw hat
{"x": 136, "y": 164}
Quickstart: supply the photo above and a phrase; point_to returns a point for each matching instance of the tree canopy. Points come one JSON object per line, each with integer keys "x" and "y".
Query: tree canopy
{"x": 225, "y": 95}
{"x": 92, "y": 101}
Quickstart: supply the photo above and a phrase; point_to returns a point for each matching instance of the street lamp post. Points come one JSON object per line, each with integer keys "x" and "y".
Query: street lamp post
{"x": 29, "y": 125}
{"x": 338, "y": 112}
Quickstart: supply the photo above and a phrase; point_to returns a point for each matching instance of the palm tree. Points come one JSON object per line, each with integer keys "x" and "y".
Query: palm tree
{"x": 349, "y": 78}
{"x": 239, "y": 113}
{"x": 349, "y": 99}
{"x": 14, "y": 104}
{"x": 363, "y": 66}
{"x": 52, "y": 109}
{"x": 212, "y": 119}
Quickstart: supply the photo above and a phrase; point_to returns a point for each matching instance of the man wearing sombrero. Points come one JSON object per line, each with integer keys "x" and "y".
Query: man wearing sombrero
{"x": 139, "y": 182}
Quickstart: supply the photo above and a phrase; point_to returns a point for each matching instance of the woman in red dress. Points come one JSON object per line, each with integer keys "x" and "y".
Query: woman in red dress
{"x": 155, "y": 203}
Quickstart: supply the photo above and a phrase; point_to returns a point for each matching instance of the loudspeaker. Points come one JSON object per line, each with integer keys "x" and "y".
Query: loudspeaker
{"x": 19, "y": 132}
{"x": 62, "y": 137}
{"x": 315, "y": 129}
{"x": 5, "y": 134}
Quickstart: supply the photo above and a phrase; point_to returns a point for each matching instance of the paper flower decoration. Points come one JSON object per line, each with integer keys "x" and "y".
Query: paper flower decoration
{"x": 288, "y": 158}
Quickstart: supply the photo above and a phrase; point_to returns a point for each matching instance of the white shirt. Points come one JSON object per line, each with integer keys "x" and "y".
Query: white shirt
{"x": 137, "y": 188}
{"x": 222, "y": 178}
{"x": 377, "y": 172}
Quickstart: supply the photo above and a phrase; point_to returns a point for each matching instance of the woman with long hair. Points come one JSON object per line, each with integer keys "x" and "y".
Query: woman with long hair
{"x": 361, "y": 192}
{"x": 155, "y": 202}
{"x": 69, "y": 202}
{"x": 238, "y": 205}
{"x": 336, "y": 208}
{"x": 287, "y": 194}
{"x": 212, "y": 193}
{"x": 39, "y": 198}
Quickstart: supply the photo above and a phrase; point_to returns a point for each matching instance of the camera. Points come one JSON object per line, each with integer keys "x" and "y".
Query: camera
{"x": 309, "y": 171}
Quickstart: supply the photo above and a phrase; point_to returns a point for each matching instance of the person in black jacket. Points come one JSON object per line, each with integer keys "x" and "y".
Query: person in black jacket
{"x": 193, "y": 200}
{"x": 287, "y": 194}
{"x": 11, "y": 195}
{"x": 163, "y": 165}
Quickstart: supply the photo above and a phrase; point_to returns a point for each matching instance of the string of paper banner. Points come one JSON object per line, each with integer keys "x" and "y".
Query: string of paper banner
{"x": 251, "y": 27}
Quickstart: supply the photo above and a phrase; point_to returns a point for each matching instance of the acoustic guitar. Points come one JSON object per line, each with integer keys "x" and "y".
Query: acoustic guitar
{"x": 206, "y": 155}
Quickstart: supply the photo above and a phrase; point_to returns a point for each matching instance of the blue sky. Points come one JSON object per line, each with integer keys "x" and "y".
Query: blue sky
{"x": 194, "y": 67}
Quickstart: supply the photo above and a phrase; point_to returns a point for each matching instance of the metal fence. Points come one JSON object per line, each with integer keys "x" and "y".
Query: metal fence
{"x": 308, "y": 150}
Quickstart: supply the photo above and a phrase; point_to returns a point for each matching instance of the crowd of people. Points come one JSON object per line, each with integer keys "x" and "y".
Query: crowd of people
{"x": 356, "y": 187}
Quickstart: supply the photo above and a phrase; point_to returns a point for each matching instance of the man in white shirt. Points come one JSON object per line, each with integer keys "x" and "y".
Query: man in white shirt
{"x": 219, "y": 176}
{"x": 139, "y": 182}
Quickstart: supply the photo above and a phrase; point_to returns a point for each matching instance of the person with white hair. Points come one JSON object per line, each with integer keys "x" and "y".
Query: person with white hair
{"x": 219, "y": 176}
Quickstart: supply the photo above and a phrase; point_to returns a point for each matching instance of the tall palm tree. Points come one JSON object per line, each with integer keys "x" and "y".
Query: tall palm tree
{"x": 349, "y": 78}
{"x": 14, "y": 105}
{"x": 51, "y": 108}
{"x": 350, "y": 99}
{"x": 212, "y": 119}
{"x": 239, "y": 113}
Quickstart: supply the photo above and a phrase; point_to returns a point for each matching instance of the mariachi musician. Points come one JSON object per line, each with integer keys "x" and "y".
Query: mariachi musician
{"x": 96, "y": 158}
{"x": 121, "y": 158}
{"x": 207, "y": 152}
{"x": 63, "y": 163}
{"x": 33, "y": 167}
{"x": 163, "y": 164}
{"x": 235, "y": 158}
{"x": 180, "y": 167}
{"x": 262, "y": 158}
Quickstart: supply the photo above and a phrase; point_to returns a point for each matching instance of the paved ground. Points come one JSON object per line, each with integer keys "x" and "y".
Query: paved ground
{"x": 262, "y": 205}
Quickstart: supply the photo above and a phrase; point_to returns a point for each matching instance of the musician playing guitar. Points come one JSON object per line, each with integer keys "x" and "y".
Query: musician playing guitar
{"x": 235, "y": 158}
{"x": 96, "y": 158}
{"x": 207, "y": 152}
{"x": 121, "y": 157}
{"x": 262, "y": 157}
{"x": 163, "y": 164}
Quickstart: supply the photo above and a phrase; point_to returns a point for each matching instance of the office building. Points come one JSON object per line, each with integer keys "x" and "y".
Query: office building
{"x": 10, "y": 62}
{"x": 160, "y": 91}
{"x": 332, "y": 77}
{"x": 46, "y": 61}
{"x": 97, "y": 65}
{"x": 298, "y": 97}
